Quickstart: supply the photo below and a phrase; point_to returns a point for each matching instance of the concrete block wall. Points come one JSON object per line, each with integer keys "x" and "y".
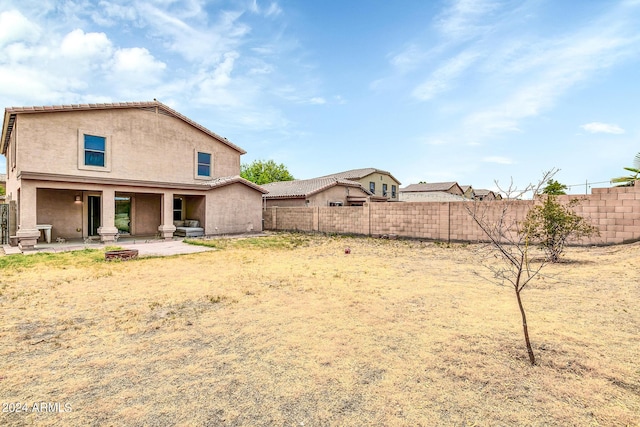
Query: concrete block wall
{"x": 414, "y": 219}
{"x": 293, "y": 219}
{"x": 342, "y": 219}
{"x": 615, "y": 211}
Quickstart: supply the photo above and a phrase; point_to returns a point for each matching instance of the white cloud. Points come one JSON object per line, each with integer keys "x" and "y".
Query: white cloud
{"x": 535, "y": 79}
{"x": 77, "y": 44}
{"x": 339, "y": 99}
{"x": 15, "y": 27}
{"x": 498, "y": 160}
{"x": 110, "y": 14}
{"x": 199, "y": 42}
{"x": 221, "y": 76}
{"x": 441, "y": 79}
{"x": 272, "y": 10}
{"x": 317, "y": 101}
{"x": 408, "y": 59}
{"x": 597, "y": 127}
{"x": 465, "y": 19}
{"x": 136, "y": 66}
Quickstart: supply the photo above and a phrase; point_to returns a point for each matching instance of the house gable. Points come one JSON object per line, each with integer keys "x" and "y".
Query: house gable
{"x": 142, "y": 141}
{"x": 378, "y": 182}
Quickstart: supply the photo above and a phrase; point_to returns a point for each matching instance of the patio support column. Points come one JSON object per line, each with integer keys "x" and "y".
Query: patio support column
{"x": 166, "y": 227}
{"x": 108, "y": 231}
{"x": 27, "y": 233}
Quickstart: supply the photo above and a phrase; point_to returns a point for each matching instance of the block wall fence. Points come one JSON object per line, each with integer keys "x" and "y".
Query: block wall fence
{"x": 615, "y": 211}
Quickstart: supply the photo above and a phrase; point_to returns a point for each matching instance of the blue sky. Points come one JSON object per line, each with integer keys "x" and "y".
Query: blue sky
{"x": 451, "y": 90}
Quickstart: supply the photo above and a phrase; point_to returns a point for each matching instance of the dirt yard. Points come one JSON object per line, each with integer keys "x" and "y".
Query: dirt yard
{"x": 289, "y": 330}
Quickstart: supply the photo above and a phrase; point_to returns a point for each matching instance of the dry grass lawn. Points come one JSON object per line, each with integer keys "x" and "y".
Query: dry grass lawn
{"x": 289, "y": 330}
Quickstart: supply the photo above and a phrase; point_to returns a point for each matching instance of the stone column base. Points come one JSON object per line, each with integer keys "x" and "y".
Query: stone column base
{"x": 27, "y": 238}
{"x": 107, "y": 234}
{"x": 166, "y": 231}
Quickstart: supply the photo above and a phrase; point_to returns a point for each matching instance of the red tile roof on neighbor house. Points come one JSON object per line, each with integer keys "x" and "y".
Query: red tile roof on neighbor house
{"x": 305, "y": 187}
{"x": 359, "y": 174}
{"x": 434, "y": 186}
{"x": 155, "y": 105}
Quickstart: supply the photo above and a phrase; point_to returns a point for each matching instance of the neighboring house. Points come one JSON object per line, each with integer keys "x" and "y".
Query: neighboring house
{"x": 3, "y": 186}
{"x": 482, "y": 194}
{"x": 327, "y": 191}
{"x": 468, "y": 192}
{"x": 124, "y": 168}
{"x": 436, "y": 191}
{"x": 377, "y": 182}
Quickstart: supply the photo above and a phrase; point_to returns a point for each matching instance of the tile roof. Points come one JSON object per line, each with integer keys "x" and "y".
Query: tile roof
{"x": 358, "y": 174}
{"x": 10, "y": 113}
{"x": 483, "y": 192}
{"x": 433, "y": 186}
{"x": 433, "y": 196}
{"x": 227, "y": 180}
{"x": 305, "y": 187}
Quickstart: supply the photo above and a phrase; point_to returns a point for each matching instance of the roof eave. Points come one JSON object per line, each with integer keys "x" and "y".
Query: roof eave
{"x": 5, "y": 131}
{"x": 115, "y": 106}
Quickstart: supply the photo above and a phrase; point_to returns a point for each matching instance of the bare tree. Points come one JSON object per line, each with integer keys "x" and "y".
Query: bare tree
{"x": 507, "y": 241}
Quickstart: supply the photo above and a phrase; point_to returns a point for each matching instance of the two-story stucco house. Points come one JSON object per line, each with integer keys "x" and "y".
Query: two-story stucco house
{"x": 137, "y": 168}
{"x": 317, "y": 192}
{"x": 378, "y": 182}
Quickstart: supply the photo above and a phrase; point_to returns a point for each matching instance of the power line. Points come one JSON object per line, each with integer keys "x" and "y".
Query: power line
{"x": 588, "y": 183}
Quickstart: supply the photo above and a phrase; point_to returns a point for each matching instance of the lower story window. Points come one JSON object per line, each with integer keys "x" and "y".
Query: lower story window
{"x": 177, "y": 208}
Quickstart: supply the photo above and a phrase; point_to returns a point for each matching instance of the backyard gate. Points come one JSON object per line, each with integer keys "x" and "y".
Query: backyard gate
{"x": 4, "y": 224}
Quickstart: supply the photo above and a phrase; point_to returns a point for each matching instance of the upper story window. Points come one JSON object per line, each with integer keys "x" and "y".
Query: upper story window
{"x": 94, "y": 151}
{"x": 95, "y": 148}
{"x": 372, "y": 187}
{"x": 384, "y": 190}
{"x": 393, "y": 191}
{"x": 204, "y": 164}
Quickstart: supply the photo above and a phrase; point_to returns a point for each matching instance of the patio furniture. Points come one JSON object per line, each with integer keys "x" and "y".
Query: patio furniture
{"x": 188, "y": 228}
{"x": 47, "y": 231}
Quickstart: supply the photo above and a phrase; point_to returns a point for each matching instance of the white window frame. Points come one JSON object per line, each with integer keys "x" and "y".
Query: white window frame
{"x": 107, "y": 151}
{"x": 195, "y": 165}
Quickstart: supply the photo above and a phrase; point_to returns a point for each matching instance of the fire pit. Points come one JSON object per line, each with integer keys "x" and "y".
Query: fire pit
{"x": 122, "y": 254}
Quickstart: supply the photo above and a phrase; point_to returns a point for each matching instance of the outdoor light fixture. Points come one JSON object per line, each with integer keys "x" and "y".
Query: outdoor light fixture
{"x": 78, "y": 199}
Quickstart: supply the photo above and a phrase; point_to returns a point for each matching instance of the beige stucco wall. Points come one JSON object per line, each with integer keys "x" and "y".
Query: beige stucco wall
{"x": 337, "y": 193}
{"x": 58, "y": 208}
{"x": 380, "y": 179}
{"x": 233, "y": 208}
{"x": 195, "y": 209}
{"x": 145, "y": 214}
{"x": 143, "y": 145}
